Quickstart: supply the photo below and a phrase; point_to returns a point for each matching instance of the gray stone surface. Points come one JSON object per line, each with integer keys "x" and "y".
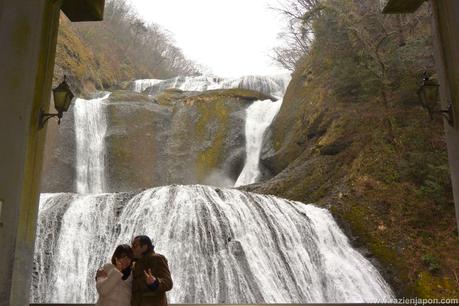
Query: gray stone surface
{"x": 177, "y": 138}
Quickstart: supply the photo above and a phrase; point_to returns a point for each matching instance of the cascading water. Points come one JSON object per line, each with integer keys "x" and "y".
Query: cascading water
{"x": 270, "y": 85}
{"x": 259, "y": 117}
{"x": 90, "y": 127}
{"x": 273, "y": 86}
{"x": 141, "y": 85}
{"x": 280, "y": 251}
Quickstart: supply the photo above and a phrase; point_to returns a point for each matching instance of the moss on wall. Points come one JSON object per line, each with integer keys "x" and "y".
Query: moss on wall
{"x": 215, "y": 113}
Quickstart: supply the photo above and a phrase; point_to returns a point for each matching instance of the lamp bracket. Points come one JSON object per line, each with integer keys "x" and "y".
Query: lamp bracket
{"x": 44, "y": 117}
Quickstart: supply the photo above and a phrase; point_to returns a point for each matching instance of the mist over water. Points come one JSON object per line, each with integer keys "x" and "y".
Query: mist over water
{"x": 280, "y": 251}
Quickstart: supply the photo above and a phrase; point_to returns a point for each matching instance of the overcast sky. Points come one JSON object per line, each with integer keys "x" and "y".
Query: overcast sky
{"x": 231, "y": 37}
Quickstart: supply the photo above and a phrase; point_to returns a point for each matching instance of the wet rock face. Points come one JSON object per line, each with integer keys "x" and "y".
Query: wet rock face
{"x": 189, "y": 138}
{"x": 175, "y": 138}
{"x": 134, "y": 143}
{"x": 207, "y": 141}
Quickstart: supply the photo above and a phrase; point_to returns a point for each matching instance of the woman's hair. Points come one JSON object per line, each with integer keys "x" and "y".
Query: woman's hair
{"x": 121, "y": 251}
{"x": 145, "y": 240}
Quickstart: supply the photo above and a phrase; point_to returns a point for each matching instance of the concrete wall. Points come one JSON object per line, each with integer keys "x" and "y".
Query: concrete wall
{"x": 445, "y": 23}
{"x": 28, "y": 37}
{"x": 28, "y": 33}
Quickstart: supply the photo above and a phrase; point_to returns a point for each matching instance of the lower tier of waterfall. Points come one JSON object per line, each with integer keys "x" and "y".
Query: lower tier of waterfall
{"x": 280, "y": 251}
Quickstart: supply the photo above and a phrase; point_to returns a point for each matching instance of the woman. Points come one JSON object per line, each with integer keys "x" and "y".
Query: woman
{"x": 114, "y": 281}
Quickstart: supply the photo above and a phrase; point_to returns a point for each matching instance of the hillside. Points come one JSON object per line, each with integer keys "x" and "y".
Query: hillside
{"x": 352, "y": 137}
{"x": 122, "y": 47}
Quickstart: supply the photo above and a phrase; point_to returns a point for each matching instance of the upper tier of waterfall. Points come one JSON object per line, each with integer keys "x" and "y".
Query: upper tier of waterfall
{"x": 280, "y": 251}
{"x": 274, "y": 86}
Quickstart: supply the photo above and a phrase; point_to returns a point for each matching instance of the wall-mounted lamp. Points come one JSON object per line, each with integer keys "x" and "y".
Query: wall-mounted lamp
{"x": 429, "y": 95}
{"x": 62, "y": 98}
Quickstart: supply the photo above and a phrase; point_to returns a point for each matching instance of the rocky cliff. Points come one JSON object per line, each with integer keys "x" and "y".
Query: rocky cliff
{"x": 176, "y": 138}
{"x": 182, "y": 138}
{"x": 87, "y": 67}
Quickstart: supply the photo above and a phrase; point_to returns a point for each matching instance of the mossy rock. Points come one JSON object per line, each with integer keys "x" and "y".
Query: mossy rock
{"x": 215, "y": 113}
{"x": 431, "y": 287}
{"x": 127, "y": 95}
{"x": 336, "y": 147}
{"x": 238, "y": 93}
{"x": 171, "y": 96}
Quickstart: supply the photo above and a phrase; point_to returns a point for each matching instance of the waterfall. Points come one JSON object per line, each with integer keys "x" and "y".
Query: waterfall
{"x": 141, "y": 85}
{"x": 90, "y": 127}
{"x": 280, "y": 251}
{"x": 274, "y": 86}
{"x": 259, "y": 117}
{"x": 185, "y": 83}
{"x": 269, "y": 85}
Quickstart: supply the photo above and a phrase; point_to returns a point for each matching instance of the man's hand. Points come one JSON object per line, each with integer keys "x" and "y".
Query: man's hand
{"x": 149, "y": 278}
{"x": 101, "y": 273}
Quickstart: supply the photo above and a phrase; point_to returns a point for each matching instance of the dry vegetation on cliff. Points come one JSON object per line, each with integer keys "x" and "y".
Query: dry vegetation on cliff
{"x": 121, "y": 48}
{"x": 351, "y": 136}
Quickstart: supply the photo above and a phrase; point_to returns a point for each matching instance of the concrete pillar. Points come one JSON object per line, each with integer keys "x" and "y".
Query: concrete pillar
{"x": 28, "y": 34}
{"x": 445, "y": 25}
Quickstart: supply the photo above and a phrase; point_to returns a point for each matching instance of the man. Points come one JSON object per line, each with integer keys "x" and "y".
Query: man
{"x": 151, "y": 275}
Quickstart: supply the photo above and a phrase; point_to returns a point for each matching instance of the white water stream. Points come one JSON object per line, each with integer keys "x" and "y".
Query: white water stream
{"x": 90, "y": 127}
{"x": 259, "y": 117}
{"x": 280, "y": 252}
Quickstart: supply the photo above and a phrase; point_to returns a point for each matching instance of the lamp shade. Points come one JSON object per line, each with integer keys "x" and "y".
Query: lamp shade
{"x": 62, "y": 97}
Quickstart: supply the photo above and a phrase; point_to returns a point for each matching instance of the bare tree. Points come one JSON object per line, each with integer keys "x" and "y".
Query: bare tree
{"x": 296, "y": 39}
{"x": 137, "y": 46}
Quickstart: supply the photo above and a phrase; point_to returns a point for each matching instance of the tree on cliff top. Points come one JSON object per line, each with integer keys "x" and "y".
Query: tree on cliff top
{"x": 368, "y": 53}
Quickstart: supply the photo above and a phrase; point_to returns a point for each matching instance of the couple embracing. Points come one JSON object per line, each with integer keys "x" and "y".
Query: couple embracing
{"x": 136, "y": 276}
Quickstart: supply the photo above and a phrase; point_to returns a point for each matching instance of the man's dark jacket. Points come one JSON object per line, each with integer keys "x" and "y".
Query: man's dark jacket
{"x": 142, "y": 294}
